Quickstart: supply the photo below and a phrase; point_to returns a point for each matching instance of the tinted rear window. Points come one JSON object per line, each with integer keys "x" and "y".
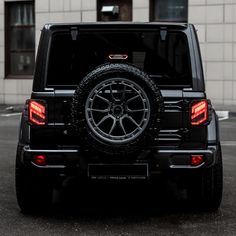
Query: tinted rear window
{"x": 167, "y": 61}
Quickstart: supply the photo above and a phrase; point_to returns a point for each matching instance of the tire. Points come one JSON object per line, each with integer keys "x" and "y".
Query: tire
{"x": 118, "y": 132}
{"x": 206, "y": 188}
{"x": 33, "y": 192}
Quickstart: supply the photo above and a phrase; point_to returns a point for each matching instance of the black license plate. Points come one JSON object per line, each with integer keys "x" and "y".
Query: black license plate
{"x": 118, "y": 171}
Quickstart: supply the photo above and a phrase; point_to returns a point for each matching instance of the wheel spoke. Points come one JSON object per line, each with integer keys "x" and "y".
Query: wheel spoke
{"x": 133, "y": 98}
{"x": 113, "y": 126}
{"x": 102, "y": 120}
{"x": 102, "y": 98}
{"x": 123, "y": 93}
{"x": 137, "y": 110}
{"x": 112, "y": 95}
{"x": 132, "y": 120}
{"x": 98, "y": 110}
{"x": 122, "y": 126}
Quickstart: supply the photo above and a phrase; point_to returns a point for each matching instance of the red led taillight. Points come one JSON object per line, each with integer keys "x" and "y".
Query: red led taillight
{"x": 39, "y": 160}
{"x": 196, "y": 160}
{"x": 37, "y": 112}
{"x": 199, "y": 112}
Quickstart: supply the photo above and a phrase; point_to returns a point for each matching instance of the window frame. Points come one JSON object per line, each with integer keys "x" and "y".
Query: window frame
{"x": 8, "y": 51}
{"x": 152, "y": 13}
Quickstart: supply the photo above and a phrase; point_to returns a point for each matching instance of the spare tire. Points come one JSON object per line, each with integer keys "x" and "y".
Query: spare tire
{"x": 116, "y": 110}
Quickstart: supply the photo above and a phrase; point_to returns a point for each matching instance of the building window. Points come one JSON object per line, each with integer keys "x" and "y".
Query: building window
{"x": 20, "y": 38}
{"x": 169, "y": 10}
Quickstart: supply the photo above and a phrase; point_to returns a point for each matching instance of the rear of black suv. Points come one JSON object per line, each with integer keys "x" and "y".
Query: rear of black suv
{"x": 118, "y": 102}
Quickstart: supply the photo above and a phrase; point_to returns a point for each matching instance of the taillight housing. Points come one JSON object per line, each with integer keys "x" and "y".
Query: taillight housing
{"x": 37, "y": 114}
{"x": 199, "y": 112}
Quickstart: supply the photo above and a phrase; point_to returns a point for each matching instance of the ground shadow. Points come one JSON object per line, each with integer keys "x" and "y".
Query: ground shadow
{"x": 104, "y": 200}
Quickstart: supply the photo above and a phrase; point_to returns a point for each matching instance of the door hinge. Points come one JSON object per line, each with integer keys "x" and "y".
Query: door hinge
{"x": 74, "y": 33}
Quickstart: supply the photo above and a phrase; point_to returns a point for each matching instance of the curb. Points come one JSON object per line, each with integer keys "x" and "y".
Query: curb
{"x": 227, "y": 114}
{"x": 11, "y": 109}
{"x": 223, "y": 115}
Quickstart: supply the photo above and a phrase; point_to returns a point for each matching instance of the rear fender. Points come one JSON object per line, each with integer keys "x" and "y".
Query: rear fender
{"x": 24, "y": 132}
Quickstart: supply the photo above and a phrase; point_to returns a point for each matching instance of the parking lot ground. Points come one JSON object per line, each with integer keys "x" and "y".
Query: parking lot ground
{"x": 116, "y": 209}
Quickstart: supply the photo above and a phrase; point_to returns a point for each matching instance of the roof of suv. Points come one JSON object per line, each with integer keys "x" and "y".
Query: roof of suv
{"x": 118, "y": 25}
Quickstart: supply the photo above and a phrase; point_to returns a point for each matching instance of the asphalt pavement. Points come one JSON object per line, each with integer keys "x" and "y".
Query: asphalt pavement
{"x": 119, "y": 210}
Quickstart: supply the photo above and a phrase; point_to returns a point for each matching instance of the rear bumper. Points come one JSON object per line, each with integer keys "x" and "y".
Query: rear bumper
{"x": 72, "y": 160}
{"x": 180, "y": 159}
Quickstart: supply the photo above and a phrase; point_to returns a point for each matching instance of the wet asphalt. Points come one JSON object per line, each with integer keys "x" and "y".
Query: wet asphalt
{"x": 116, "y": 209}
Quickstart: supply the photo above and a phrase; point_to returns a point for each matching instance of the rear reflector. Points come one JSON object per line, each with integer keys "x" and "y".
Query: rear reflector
{"x": 199, "y": 113}
{"x": 39, "y": 160}
{"x": 37, "y": 112}
{"x": 196, "y": 160}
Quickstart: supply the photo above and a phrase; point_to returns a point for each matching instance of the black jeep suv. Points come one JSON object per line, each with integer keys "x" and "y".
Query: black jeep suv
{"x": 121, "y": 101}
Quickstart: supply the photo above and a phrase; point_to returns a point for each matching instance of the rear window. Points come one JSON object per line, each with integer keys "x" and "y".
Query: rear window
{"x": 166, "y": 60}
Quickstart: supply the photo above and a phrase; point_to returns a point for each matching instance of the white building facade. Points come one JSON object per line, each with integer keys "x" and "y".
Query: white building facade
{"x": 21, "y": 22}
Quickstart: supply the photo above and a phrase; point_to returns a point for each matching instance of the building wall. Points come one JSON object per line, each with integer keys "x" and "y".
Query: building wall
{"x": 14, "y": 91}
{"x": 214, "y": 19}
